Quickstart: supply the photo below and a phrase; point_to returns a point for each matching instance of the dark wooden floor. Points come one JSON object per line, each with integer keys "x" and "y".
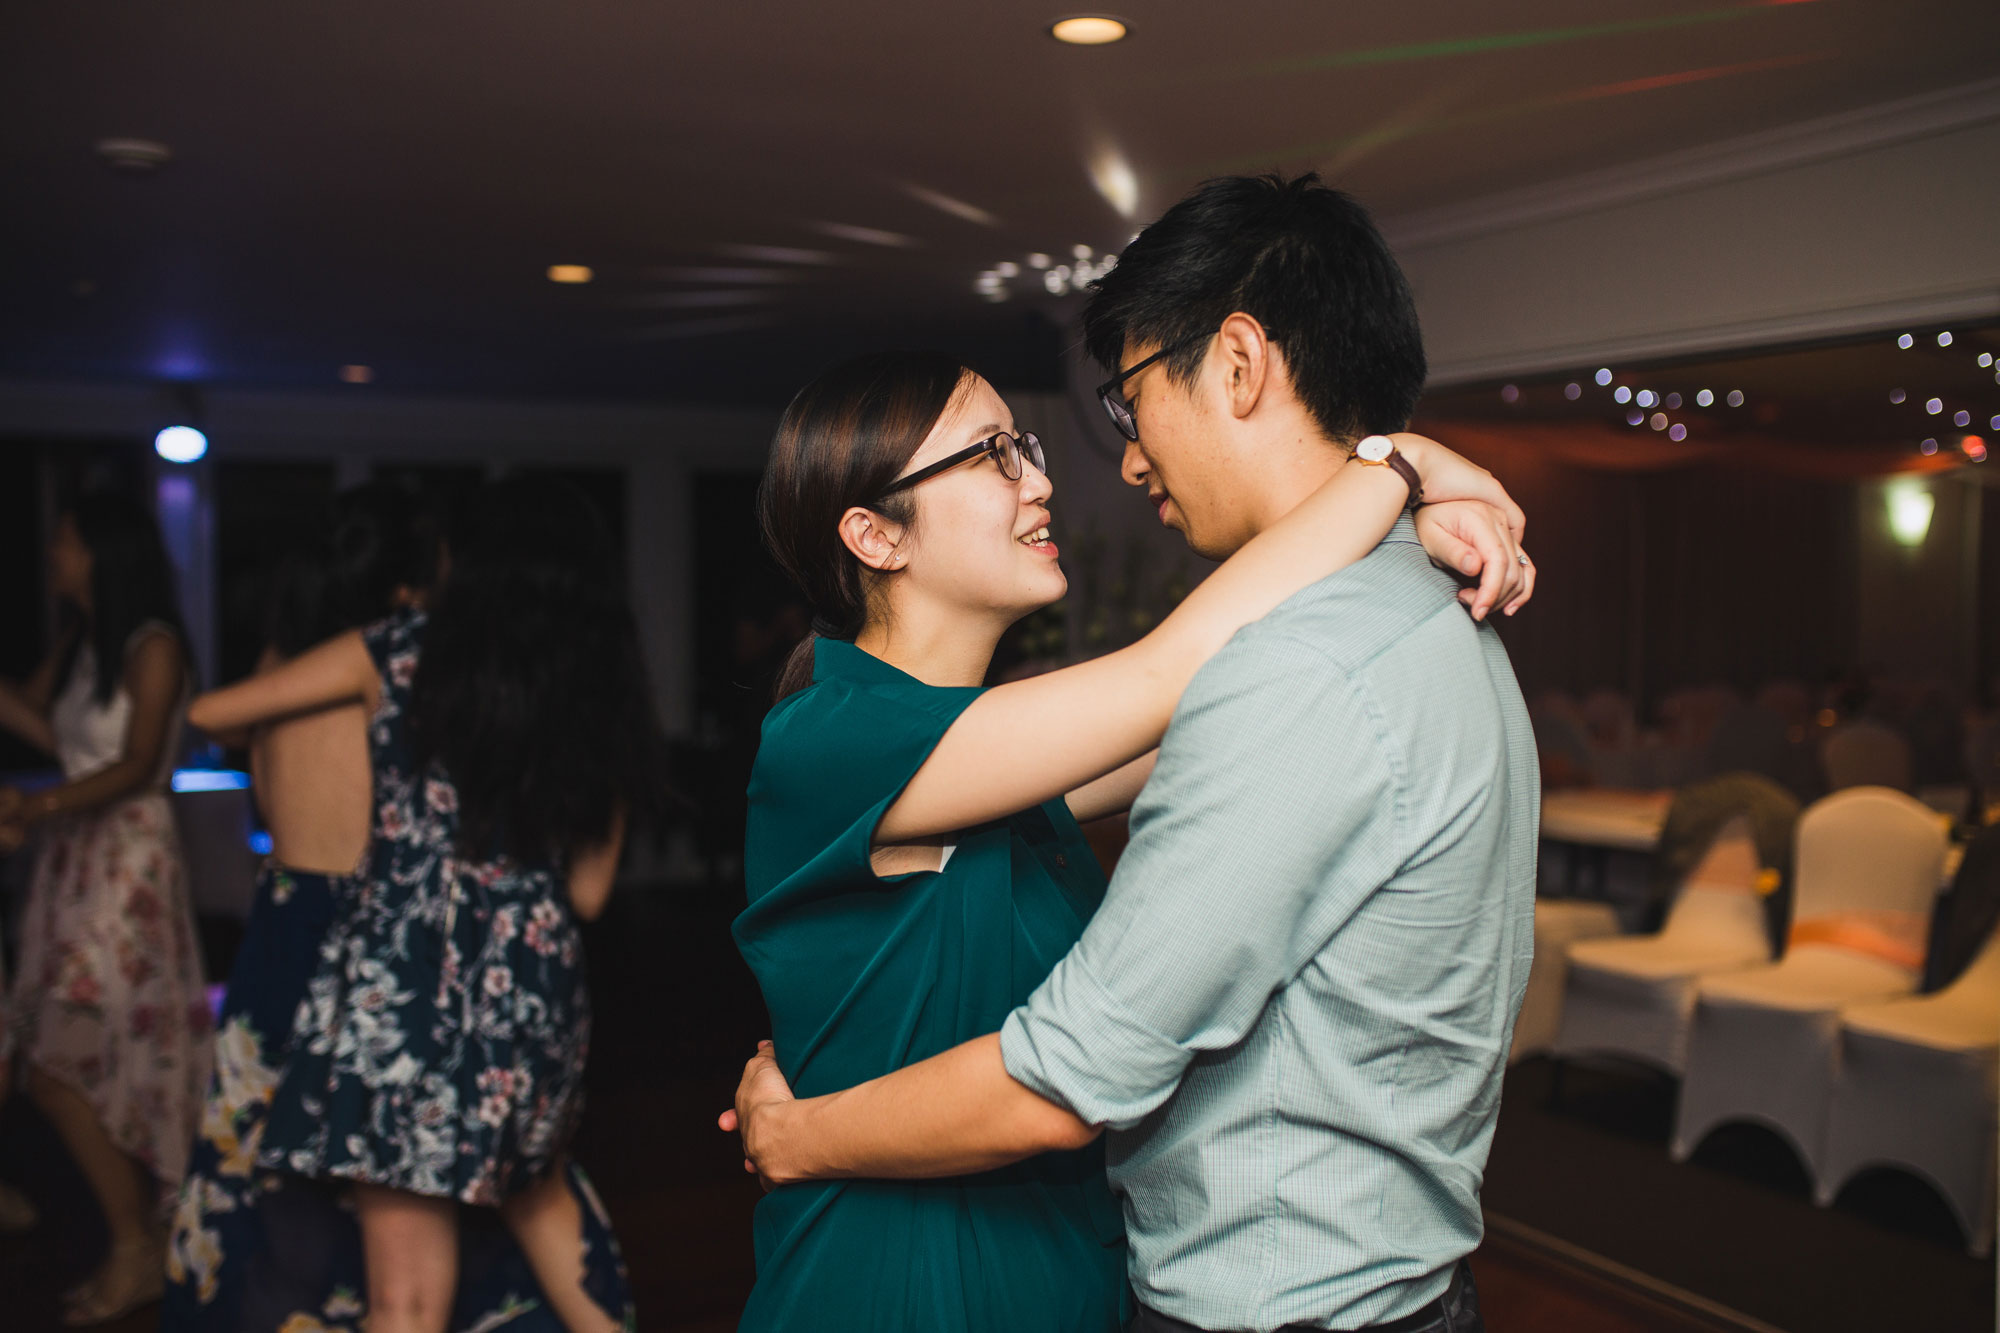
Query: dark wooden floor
{"x": 677, "y": 1015}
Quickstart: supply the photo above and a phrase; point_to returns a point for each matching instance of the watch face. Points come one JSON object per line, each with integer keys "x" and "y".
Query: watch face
{"x": 1374, "y": 449}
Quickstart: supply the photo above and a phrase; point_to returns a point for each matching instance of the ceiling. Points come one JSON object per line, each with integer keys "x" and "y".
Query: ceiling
{"x": 762, "y": 187}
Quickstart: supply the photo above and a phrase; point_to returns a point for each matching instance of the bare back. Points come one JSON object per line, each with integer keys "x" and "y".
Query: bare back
{"x": 314, "y": 787}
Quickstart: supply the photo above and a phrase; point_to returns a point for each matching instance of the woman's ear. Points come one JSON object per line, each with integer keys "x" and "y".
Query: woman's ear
{"x": 871, "y": 538}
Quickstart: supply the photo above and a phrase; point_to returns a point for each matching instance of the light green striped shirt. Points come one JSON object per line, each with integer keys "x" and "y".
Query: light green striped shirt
{"x": 1293, "y": 1008}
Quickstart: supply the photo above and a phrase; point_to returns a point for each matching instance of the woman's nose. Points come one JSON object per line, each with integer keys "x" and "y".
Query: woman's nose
{"x": 1035, "y": 484}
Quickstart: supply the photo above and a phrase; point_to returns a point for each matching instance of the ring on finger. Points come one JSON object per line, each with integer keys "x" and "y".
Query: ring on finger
{"x": 1520, "y": 557}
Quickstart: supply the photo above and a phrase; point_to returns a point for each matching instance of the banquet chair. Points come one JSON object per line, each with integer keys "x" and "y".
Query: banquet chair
{"x": 1613, "y": 726}
{"x": 1560, "y": 923}
{"x": 1787, "y": 700}
{"x": 1915, "y": 1089}
{"x": 1917, "y": 1081}
{"x": 1562, "y": 742}
{"x": 1764, "y": 1042}
{"x": 1634, "y": 996}
{"x": 1866, "y": 753}
{"x": 1982, "y": 756}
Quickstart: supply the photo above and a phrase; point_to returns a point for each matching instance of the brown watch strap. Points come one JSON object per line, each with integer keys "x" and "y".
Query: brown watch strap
{"x": 1408, "y": 473}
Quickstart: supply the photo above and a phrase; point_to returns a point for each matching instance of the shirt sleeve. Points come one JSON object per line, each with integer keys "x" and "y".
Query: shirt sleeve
{"x": 827, "y": 772}
{"x": 1269, "y": 818}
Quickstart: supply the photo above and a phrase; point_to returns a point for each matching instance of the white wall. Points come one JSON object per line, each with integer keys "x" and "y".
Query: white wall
{"x": 658, "y": 448}
{"x": 1844, "y": 225}
{"x": 1879, "y": 219}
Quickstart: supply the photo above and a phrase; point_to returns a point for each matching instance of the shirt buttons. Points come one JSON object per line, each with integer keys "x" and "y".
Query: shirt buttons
{"x": 1062, "y": 862}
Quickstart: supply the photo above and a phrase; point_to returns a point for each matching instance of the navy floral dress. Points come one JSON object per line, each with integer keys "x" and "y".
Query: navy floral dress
{"x": 440, "y": 1046}
{"x": 260, "y": 1251}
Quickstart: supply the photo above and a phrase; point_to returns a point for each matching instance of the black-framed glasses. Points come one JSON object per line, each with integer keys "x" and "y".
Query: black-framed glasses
{"x": 1112, "y": 392}
{"x": 1007, "y": 450}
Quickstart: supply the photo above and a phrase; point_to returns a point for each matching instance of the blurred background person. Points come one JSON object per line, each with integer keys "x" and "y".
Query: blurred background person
{"x": 436, "y": 1060}
{"x": 376, "y": 555}
{"x": 108, "y": 1010}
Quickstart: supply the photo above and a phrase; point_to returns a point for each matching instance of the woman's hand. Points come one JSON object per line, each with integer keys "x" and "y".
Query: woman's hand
{"x": 1480, "y": 540}
{"x": 1473, "y": 538}
{"x": 1449, "y": 476}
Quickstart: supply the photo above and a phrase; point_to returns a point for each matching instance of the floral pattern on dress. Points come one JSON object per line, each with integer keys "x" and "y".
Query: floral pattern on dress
{"x": 441, "y": 1042}
{"x": 108, "y": 996}
{"x": 233, "y": 1250}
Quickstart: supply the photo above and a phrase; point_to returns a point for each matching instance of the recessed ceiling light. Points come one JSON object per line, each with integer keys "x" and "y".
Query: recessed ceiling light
{"x": 570, "y": 273}
{"x": 357, "y": 374}
{"x": 1088, "y": 30}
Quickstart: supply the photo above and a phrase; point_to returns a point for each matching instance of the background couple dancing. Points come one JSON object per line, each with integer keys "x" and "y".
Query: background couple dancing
{"x": 1277, "y": 1037}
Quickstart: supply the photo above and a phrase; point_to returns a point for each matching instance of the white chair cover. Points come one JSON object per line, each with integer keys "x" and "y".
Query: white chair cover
{"x": 1559, "y": 922}
{"x": 1633, "y": 997}
{"x": 1764, "y": 1042}
{"x": 1866, "y": 753}
{"x": 1916, "y": 1089}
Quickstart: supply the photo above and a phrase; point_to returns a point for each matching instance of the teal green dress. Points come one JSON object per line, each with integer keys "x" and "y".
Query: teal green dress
{"x": 865, "y": 975}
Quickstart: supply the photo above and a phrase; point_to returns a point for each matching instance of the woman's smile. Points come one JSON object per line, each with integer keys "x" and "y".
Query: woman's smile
{"x": 1037, "y": 540}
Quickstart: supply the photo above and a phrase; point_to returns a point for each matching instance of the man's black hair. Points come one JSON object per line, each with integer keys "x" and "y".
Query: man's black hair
{"x": 1302, "y": 259}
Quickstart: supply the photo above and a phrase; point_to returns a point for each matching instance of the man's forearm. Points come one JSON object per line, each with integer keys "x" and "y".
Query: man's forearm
{"x": 953, "y": 1114}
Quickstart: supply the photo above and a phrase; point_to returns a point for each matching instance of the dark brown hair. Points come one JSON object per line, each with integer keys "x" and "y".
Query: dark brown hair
{"x": 844, "y": 438}
{"x": 531, "y": 690}
{"x": 1304, "y": 260}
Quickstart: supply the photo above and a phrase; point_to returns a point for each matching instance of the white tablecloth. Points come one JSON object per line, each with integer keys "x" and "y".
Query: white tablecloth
{"x": 1630, "y": 821}
{"x": 1606, "y": 817}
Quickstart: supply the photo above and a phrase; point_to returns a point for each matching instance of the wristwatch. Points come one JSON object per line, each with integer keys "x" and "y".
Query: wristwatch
{"x": 1378, "y": 451}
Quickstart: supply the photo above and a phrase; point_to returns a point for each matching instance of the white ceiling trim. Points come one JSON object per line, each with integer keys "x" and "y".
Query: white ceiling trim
{"x": 1845, "y": 321}
{"x": 1733, "y": 159}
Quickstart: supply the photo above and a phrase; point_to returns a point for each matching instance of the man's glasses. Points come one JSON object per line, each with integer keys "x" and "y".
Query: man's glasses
{"x": 1112, "y": 393}
{"x": 1007, "y": 450}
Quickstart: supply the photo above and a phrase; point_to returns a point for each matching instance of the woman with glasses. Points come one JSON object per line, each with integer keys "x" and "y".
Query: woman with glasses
{"x": 914, "y": 866}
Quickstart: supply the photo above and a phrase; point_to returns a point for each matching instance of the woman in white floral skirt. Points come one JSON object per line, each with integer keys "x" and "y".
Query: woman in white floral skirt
{"x": 108, "y": 1014}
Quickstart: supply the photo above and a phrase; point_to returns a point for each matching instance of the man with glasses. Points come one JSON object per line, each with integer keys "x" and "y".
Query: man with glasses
{"x": 1292, "y": 1012}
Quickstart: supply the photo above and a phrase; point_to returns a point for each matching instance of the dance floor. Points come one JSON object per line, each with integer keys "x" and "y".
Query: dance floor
{"x": 1736, "y": 1223}
{"x": 1581, "y": 1195}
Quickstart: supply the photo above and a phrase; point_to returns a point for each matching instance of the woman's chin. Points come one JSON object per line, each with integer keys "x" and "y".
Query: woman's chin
{"x": 1045, "y": 595}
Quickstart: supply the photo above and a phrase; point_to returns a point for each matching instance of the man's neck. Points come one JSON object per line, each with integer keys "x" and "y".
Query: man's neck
{"x": 1289, "y": 473}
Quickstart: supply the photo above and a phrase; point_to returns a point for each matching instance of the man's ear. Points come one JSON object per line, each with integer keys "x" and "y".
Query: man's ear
{"x": 1244, "y": 351}
{"x": 872, "y": 538}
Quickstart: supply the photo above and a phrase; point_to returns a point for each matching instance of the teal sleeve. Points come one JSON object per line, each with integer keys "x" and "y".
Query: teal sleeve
{"x": 1251, "y": 844}
{"x": 831, "y": 943}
